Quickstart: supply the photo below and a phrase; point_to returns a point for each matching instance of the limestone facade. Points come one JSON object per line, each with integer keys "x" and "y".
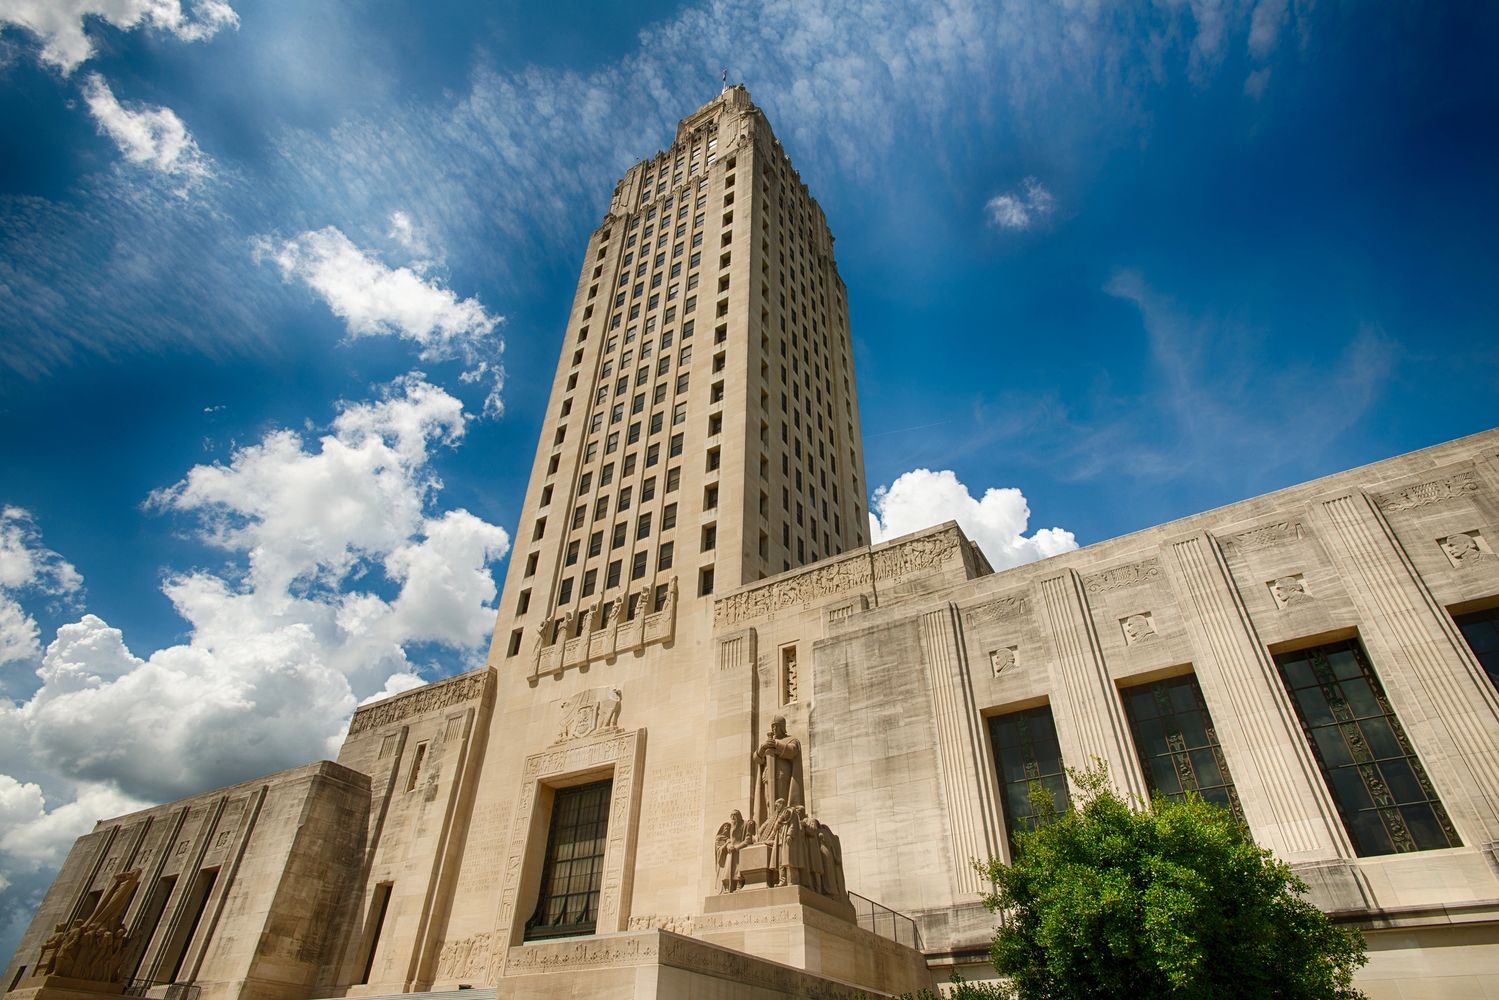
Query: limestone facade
{"x": 743, "y": 744}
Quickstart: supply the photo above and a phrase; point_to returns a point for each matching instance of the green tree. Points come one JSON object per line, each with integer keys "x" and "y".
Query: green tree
{"x": 1106, "y": 900}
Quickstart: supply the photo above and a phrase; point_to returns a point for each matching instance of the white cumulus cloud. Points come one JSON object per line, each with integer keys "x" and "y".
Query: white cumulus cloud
{"x": 1022, "y": 208}
{"x": 341, "y": 568}
{"x": 27, "y": 567}
{"x": 59, "y": 24}
{"x": 150, "y": 137}
{"x": 922, "y": 498}
{"x": 374, "y": 299}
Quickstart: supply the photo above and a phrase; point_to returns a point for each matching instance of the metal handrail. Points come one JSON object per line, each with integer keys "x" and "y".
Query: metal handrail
{"x": 174, "y": 991}
{"x": 887, "y": 923}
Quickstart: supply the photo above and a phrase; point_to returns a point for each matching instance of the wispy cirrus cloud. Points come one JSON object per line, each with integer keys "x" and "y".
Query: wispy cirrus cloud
{"x": 61, "y": 25}
{"x": 1022, "y": 208}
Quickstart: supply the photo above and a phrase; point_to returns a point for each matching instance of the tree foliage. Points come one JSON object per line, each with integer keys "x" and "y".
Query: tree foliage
{"x": 1173, "y": 901}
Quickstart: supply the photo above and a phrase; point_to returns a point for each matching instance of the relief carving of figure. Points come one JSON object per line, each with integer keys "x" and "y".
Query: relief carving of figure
{"x": 565, "y": 629}
{"x": 670, "y": 604}
{"x": 1464, "y": 550}
{"x": 543, "y": 631}
{"x": 732, "y": 836}
{"x": 592, "y": 624}
{"x": 612, "y": 618}
{"x": 1289, "y": 590}
{"x": 1138, "y": 628}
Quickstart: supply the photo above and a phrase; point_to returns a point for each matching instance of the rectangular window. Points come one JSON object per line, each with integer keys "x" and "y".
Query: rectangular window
{"x": 663, "y": 556}
{"x": 565, "y": 591}
{"x": 572, "y": 874}
{"x": 643, "y": 526}
{"x": 652, "y": 455}
{"x": 1481, "y": 629}
{"x": 1026, "y": 750}
{"x": 676, "y": 445}
{"x": 710, "y": 537}
{"x": 1177, "y": 744}
{"x": 624, "y": 500}
{"x": 669, "y": 517}
{"x": 673, "y": 479}
{"x": 637, "y": 567}
{"x": 679, "y": 414}
{"x": 621, "y": 530}
{"x": 579, "y": 514}
{"x": 595, "y": 543}
{"x": 590, "y": 581}
{"x": 705, "y": 581}
{"x": 611, "y": 579}
{"x": 1386, "y": 801}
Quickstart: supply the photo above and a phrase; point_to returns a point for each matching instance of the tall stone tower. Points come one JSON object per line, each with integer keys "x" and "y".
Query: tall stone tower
{"x": 703, "y": 425}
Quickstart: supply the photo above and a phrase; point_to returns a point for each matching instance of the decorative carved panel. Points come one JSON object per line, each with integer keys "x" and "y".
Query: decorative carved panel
{"x": 441, "y": 694}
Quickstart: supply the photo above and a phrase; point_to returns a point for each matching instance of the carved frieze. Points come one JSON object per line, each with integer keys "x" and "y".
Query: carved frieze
{"x": 1005, "y": 607}
{"x": 915, "y": 556}
{"x": 1123, "y": 576}
{"x": 1457, "y": 487}
{"x": 795, "y": 591}
{"x": 1266, "y": 534}
{"x": 468, "y": 958}
{"x": 442, "y": 694}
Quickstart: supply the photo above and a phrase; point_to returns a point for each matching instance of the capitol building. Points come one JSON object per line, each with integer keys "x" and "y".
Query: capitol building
{"x": 724, "y": 747}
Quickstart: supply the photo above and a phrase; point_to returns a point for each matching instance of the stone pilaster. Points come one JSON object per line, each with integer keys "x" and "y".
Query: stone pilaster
{"x": 1284, "y": 798}
{"x": 968, "y": 781}
{"x": 1089, "y": 717}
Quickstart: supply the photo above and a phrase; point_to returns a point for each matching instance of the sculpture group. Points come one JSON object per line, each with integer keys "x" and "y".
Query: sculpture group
{"x": 94, "y": 947}
{"x": 781, "y": 844}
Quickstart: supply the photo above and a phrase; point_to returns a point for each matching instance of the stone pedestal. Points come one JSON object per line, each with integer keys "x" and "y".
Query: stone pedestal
{"x": 795, "y": 926}
{"x": 62, "y": 988}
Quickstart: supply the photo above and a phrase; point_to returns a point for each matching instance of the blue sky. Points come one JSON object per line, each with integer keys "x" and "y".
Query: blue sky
{"x": 282, "y": 287}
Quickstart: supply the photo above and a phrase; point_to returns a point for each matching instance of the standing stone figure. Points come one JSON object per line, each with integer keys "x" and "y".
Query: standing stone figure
{"x": 779, "y": 760}
{"x": 732, "y": 836}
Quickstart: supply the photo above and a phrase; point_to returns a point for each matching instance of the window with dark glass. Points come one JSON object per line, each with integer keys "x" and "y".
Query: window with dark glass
{"x": 1386, "y": 801}
{"x": 573, "y": 872}
{"x": 1025, "y": 751}
{"x": 1177, "y": 744}
{"x": 1481, "y": 629}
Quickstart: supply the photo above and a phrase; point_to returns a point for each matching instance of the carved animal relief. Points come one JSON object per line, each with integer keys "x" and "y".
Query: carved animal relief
{"x": 588, "y": 712}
